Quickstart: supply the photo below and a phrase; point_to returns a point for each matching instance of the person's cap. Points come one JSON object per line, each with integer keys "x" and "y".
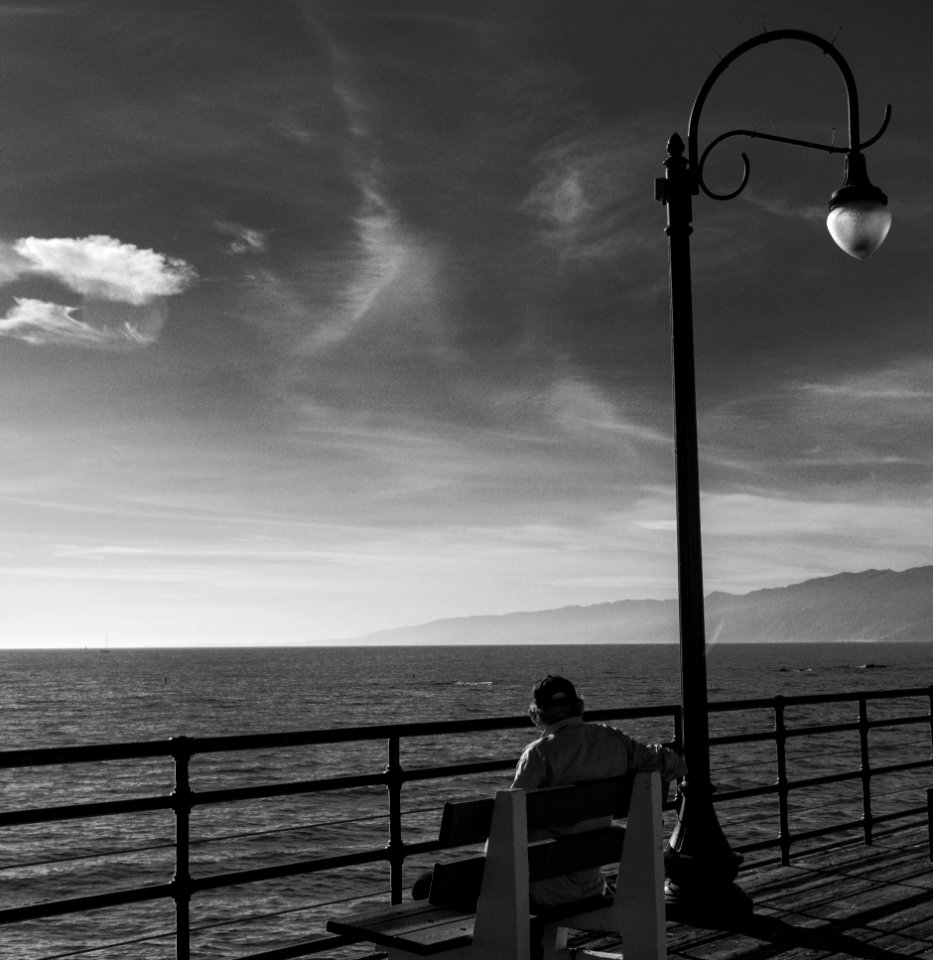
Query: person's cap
{"x": 553, "y": 691}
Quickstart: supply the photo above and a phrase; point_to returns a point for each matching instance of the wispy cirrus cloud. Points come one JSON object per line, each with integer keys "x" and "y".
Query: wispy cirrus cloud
{"x": 40, "y": 322}
{"x": 387, "y": 263}
{"x": 122, "y": 287}
{"x": 582, "y": 196}
{"x": 244, "y": 239}
{"x": 810, "y": 213}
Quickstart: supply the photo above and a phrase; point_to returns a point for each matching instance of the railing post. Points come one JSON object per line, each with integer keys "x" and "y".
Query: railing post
{"x": 783, "y": 789}
{"x": 865, "y": 769}
{"x": 182, "y": 802}
{"x": 394, "y": 780}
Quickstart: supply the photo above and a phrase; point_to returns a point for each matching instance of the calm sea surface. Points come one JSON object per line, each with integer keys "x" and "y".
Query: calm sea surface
{"x": 57, "y": 698}
{"x": 68, "y": 698}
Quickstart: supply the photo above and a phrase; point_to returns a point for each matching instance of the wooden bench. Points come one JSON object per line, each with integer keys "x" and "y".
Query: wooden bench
{"x": 479, "y": 906}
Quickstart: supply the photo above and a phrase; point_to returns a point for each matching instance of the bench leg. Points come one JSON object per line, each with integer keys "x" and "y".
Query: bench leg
{"x": 500, "y": 931}
{"x": 640, "y": 887}
{"x": 553, "y": 945}
{"x": 553, "y": 941}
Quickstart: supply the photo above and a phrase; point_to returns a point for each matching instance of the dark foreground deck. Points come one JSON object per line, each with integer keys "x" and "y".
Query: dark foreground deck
{"x": 873, "y": 901}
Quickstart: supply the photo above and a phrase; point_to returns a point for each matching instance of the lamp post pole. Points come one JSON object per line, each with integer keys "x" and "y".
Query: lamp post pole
{"x": 701, "y": 867}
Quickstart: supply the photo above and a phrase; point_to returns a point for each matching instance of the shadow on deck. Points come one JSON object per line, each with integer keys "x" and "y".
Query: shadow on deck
{"x": 852, "y": 901}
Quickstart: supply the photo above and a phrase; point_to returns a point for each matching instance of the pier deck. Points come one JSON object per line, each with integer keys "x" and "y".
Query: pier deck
{"x": 860, "y": 901}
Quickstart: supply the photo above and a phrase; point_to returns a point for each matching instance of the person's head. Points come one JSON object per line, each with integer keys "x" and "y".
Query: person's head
{"x": 553, "y": 699}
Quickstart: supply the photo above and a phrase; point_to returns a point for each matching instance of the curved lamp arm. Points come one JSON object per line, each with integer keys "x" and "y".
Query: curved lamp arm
{"x": 854, "y": 148}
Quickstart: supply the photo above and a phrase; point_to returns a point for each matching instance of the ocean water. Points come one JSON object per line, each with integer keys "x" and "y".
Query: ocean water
{"x": 66, "y": 698}
{"x": 71, "y": 697}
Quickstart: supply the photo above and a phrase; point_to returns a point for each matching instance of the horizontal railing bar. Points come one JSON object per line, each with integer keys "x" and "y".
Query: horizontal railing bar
{"x": 233, "y": 794}
{"x": 403, "y": 731}
{"x": 46, "y": 756}
{"x": 764, "y": 703}
{"x": 54, "y": 908}
{"x": 773, "y": 788}
{"x": 422, "y": 846}
{"x": 846, "y": 726}
{"x": 762, "y": 736}
{"x": 80, "y": 811}
{"x": 51, "y": 756}
{"x": 756, "y": 845}
{"x": 310, "y": 947}
{"x": 95, "y": 855}
{"x": 456, "y": 770}
{"x": 899, "y": 767}
{"x": 824, "y": 779}
{"x": 288, "y": 869}
{"x": 762, "y": 791}
{"x": 899, "y": 814}
{"x": 630, "y": 713}
{"x": 774, "y": 842}
{"x": 831, "y": 828}
{"x": 268, "y": 741}
{"x": 899, "y": 721}
{"x": 795, "y": 732}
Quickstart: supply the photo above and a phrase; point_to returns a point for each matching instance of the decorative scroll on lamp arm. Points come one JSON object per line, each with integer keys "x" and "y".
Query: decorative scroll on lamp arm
{"x": 858, "y": 216}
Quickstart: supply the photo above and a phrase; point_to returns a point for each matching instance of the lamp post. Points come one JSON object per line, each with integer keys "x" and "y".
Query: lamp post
{"x": 701, "y": 868}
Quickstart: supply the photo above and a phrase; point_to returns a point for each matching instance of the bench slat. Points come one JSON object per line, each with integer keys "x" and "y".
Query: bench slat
{"x": 457, "y": 882}
{"x": 583, "y": 801}
{"x": 575, "y": 851}
{"x": 465, "y": 822}
{"x": 419, "y": 928}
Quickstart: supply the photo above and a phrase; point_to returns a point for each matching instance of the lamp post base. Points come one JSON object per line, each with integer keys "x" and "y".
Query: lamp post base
{"x": 704, "y": 894}
{"x": 701, "y": 868}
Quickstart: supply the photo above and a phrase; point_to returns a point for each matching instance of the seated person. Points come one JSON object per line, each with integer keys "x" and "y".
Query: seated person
{"x": 572, "y": 751}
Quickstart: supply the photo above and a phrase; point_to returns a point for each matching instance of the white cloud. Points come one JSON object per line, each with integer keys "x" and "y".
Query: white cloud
{"x": 39, "y": 322}
{"x": 121, "y": 284}
{"x": 102, "y": 267}
{"x": 36, "y": 321}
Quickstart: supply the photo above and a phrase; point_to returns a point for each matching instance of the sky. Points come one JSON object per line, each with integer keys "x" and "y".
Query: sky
{"x": 329, "y": 316}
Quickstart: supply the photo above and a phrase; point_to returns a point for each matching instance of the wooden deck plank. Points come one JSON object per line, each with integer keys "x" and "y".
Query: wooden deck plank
{"x": 854, "y": 901}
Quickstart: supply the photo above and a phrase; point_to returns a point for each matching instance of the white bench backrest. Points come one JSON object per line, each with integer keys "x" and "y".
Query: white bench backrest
{"x": 637, "y": 913}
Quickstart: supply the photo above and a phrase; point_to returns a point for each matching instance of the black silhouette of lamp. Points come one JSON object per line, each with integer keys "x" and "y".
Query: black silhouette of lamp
{"x": 700, "y": 865}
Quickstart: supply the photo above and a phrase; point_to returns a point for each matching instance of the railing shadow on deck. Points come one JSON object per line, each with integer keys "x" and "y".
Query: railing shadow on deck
{"x": 791, "y": 772}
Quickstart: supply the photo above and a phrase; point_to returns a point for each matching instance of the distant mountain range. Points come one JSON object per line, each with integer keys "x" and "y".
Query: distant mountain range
{"x": 872, "y": 605}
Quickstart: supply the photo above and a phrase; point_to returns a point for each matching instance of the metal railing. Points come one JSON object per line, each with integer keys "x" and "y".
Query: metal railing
{"x": 866, "y": 771}
{"x": 750, "y": 789}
